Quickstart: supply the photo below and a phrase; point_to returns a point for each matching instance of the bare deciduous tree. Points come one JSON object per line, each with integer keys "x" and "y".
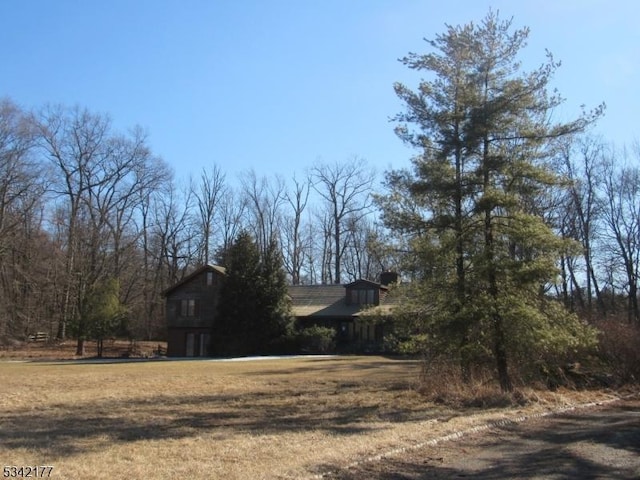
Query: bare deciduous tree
{"x": 264, "y": 201}
{"x": 99, "y": 179}
{"x": 291, "y": 238}
{"x": 22, "y": 246}
{"x": 584, "y": 172}
{"x": 346, "y": 190}
{"x": 173, "y": 231}
{"x": 622, "y": 217}
{"x": 233, "y": 207}
{"x": 74, "y": 141}
{"x": 208, "y": 193}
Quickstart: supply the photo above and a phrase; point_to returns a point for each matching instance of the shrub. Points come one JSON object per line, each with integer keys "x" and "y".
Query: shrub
{"x": 619, "y": 349}
{"x": 316, "y": 339}
{"x": 442, "y": 382}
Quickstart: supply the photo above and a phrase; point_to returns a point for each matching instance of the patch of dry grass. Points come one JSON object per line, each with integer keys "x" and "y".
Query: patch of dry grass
{"x": 66, "y": 350}
{"x": 290, "y": 418}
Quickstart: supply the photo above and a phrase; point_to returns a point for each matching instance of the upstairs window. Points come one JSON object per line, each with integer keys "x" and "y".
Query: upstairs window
{"x": 209, "y": 279}
{"x": 363, "y": 297}
{"x": 354, "y": 297}
{"x": 188, "y": 307}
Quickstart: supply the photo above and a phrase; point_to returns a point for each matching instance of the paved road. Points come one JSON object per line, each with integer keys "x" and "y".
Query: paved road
{"x": 595, "y": 443}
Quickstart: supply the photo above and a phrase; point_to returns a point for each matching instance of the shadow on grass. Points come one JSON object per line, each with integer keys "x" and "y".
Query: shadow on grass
{"x": 346, "y": 364}
{"x": 603, "y": 444}
{"x": 354, "y": 373}
{"x": 65, "y": 430}
{"x": 339, "y": 404}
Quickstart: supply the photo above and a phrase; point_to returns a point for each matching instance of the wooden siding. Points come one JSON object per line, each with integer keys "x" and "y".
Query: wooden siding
{"x": 178, "y": 342}
{"x": 204, "y": 294}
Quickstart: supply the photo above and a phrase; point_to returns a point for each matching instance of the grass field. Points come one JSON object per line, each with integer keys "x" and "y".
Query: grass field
{"x": 275, "y": 418}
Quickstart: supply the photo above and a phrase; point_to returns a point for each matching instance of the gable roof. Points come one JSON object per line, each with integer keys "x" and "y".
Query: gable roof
{"x": 320, "y": 301}
{"x": 330, "y": 301}
{"x": 205, "y": 268}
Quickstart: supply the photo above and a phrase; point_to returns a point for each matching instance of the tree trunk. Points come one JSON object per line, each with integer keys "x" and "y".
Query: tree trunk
{"x": 465, "y": 366}
{"x": 633, "y": 301}
{"x": 80, "y": 350}
{"x": 499, "y": 341}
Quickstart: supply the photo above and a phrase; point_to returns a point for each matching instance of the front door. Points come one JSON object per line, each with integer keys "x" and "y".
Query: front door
{"x": 205, "y": 340}
{"x": 191, "y": 345}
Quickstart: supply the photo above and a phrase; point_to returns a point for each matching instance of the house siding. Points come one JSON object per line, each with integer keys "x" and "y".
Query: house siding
{"x": 340, "y": 307}
{"x": 190, "y": 325}
{"x": 189, "y": 342}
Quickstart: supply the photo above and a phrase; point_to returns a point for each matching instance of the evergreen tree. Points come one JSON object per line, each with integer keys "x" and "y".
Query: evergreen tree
{"x": 273, "y": 297}
{"x": 253, "y": 310}
{"x": 486, "y": 140}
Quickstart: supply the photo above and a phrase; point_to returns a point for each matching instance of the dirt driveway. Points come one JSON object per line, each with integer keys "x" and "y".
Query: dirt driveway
{"x": 600, "y": 442}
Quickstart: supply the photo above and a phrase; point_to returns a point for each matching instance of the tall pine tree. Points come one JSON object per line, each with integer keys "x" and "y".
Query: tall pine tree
{"x": 486, "y": 139}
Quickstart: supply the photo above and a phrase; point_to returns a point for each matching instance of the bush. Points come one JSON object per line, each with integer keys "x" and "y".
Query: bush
{"x": 407, "y": 345}
{"x": 284, "y": 345}
{"x": 316, "y": 339}
{"x": 619, "y": 349}
{"x": 441, "y": 382}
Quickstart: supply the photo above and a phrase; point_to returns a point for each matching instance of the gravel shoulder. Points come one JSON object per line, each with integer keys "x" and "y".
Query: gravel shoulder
{"x": 599, "y": 442}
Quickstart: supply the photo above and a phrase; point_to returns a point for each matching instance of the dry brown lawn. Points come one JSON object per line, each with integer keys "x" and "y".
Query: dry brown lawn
{"x": 268, "y": 418}
{"x": 66, "y": 350}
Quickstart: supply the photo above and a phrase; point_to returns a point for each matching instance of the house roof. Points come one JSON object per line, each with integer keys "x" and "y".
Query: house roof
{"x": 320, "y": 301}
{"x": 330, "y": 301}
{"x": 366, "y": 283}
{"x": 195, "y": 273}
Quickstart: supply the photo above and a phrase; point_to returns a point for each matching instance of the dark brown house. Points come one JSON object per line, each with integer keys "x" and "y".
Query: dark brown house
{"x": 191, "y": 309}
{"x": 345, "y": 308}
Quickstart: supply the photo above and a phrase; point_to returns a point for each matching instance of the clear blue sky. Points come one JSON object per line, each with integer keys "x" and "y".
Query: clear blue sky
{"x": 275, "y": 85}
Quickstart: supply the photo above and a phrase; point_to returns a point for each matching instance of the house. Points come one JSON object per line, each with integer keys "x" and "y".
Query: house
{"x": 191, "y": 310}
{"x": 347, "y": 309}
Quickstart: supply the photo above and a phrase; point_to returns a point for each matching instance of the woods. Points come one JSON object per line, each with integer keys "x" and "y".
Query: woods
{"x": 515, "y": 231}
{"x": 83, "y": 206}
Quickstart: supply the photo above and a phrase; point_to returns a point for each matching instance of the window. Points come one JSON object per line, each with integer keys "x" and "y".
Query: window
{"x": 209, "y": 279}
{"x": 363, "y": 297}
{"x": 188, "y": 307}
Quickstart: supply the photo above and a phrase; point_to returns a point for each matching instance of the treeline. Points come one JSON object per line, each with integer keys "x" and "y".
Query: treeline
{"x": 83, "y": 206}
{"x": 503, "y": 216}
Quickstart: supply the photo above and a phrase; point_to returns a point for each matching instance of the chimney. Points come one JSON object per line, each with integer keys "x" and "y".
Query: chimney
{"x": 387, "y": 278}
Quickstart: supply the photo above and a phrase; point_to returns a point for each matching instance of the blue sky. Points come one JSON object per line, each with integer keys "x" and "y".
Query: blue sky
{"x": 276, "y": 85}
